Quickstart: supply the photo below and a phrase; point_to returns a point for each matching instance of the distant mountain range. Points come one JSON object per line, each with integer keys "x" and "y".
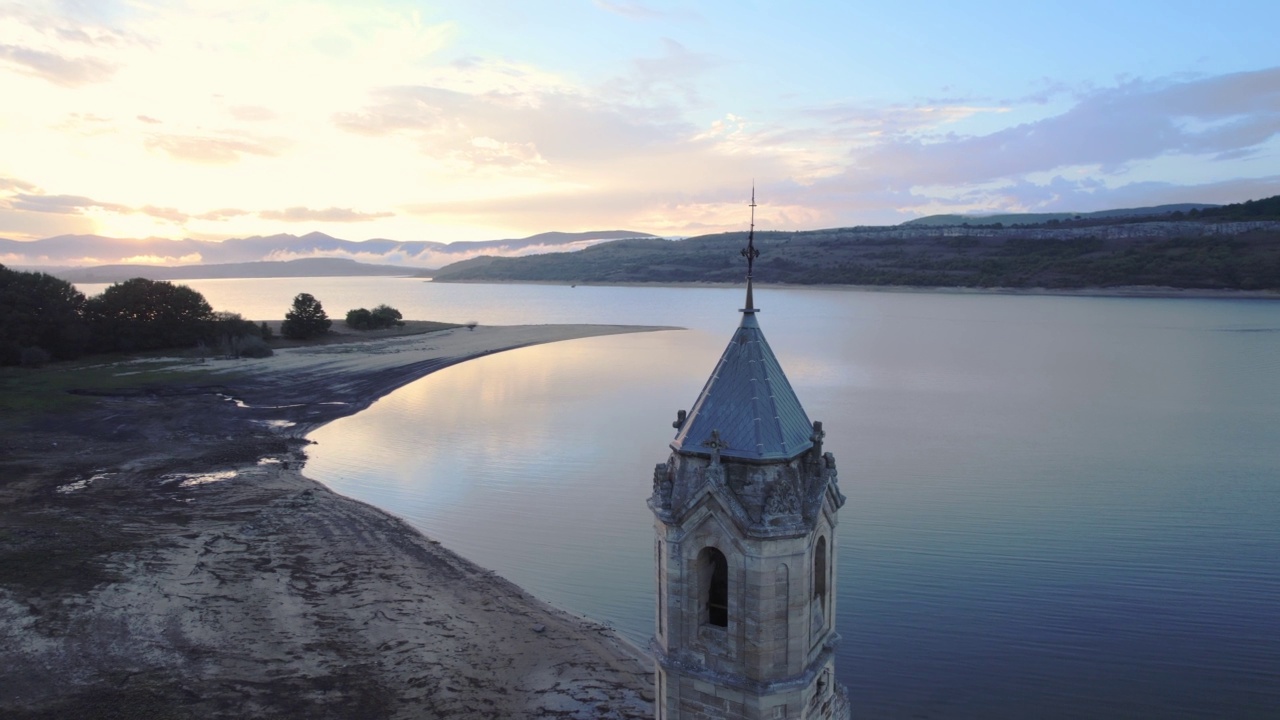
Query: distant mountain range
{"x": 57, "y": 254}
{"x": 309, "y": 267}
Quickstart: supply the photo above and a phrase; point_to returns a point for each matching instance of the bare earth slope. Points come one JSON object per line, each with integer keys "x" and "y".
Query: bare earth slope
{"x": 162, "y": 556}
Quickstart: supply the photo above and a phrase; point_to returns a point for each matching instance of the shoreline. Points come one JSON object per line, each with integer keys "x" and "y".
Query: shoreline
{"x": 166, "y": 555}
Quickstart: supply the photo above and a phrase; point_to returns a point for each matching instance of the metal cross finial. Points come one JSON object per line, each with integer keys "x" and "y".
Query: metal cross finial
{"x": 750, "y": 252}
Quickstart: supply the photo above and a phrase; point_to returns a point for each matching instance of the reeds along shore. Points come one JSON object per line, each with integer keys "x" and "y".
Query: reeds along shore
{"x": 164, "y": 556}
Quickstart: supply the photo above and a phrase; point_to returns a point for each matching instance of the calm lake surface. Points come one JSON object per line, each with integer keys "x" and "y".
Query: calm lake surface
{"x": 1059, "y": 507}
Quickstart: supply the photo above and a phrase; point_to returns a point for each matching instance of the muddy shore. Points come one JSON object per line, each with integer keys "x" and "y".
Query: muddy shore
{"x": 162, "y": 555}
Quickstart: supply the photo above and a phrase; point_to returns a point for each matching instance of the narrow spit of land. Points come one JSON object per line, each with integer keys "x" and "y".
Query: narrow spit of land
{"x": 163, "y": 556}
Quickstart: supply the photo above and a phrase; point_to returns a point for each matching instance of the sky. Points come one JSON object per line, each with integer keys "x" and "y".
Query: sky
{"x": 480, "y": 119}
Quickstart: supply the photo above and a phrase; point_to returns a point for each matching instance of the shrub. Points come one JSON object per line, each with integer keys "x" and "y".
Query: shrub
{"x": 380, "y": 317}
{"x": 385, "y": 316}
{"x": 360, "y": 319}
{"x": 255, "y": 347}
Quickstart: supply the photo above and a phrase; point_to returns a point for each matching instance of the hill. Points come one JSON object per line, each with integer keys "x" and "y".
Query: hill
{"x": 96, "y": 250}
{"x": 1237, "y": 247}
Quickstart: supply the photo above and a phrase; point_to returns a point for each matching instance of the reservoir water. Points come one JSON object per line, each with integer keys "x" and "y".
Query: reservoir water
{"x": 1058, "y": 507}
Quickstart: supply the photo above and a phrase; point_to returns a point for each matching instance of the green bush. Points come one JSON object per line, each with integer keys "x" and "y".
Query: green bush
{"x": 383, "y": 316}
{"x": 359, "y": 318}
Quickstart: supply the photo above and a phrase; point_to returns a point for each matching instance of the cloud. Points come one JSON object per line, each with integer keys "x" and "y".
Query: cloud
{"x": 899, "y": 161}
{"x": 1110, "y": 128}
{"x": 674, "y": 72}
{"x": 252, "y": 113}
{"x": 1087, "y": 194}
{"x": 149, "y": 120}
{"x": 487, "y": 151}
{"x": 24, "y": 216}
{"x": 7, "y": 183}
{"x": 429, "y": 256}
{"x": 18, "y": 197}
{"x": 80, "y": 205}
{"x": 492, "y": 114}
{"x": 59, "y": 70}
{"x": 667, "y": 212}
{"x": 63, "y": 204}
{"x": 333, "y": 214}
{"x": 223, "y": 214}
{"x": 863, "y": 122}
{"x": 86, "y": 124}
{"x": 559, "y": 127}
{"x": 163, "y": 213}
{"x": 189, "y": 259}
{"x": 208, "y": 149}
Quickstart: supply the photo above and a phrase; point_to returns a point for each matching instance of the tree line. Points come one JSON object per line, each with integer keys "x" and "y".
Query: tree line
{"x": 45, "y": 318}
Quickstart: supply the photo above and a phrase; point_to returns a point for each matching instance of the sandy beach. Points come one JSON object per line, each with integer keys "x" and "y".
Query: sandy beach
{"x": 163, "y": 555}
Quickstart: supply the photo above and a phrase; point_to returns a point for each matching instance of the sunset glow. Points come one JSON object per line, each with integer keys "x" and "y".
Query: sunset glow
{"x": 477, "y": 120}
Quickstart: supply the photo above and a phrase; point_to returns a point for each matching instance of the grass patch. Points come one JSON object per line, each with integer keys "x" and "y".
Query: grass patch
{"x": 28, "y": 392}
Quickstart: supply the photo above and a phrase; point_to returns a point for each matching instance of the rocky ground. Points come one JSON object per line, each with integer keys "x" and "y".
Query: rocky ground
{"x": 163, "y": 556}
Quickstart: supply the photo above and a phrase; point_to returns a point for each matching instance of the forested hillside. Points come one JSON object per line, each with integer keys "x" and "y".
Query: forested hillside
{"x": 1229, "y": 247}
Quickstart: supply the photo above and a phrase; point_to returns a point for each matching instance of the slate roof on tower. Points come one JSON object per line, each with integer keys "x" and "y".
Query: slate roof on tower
{"x": 750, "y": 402}
{"x": 747, "y": 409}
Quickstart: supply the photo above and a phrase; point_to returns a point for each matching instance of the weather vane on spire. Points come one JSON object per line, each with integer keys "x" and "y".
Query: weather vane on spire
{"x": 750, "y": 252}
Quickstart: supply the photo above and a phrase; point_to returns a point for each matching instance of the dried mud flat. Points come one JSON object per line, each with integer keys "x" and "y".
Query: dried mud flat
{"x": 162, "y": 556}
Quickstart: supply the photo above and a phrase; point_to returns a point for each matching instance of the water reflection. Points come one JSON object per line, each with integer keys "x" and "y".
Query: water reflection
{"x": 1059, "y": 507}
{"x": 525, "y": 462}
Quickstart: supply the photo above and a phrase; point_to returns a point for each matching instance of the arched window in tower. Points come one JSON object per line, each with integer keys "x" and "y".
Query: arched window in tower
{"x": 715, "y": 587}
{"x": 820, "y": 574}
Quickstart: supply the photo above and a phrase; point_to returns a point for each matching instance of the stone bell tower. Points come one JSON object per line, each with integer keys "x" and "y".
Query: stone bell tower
{"x": 745, "y": 517}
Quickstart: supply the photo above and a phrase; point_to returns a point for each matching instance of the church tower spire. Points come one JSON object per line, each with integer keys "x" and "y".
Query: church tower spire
{"x": 751, "y": 253}
{"x": 745, "y": 513}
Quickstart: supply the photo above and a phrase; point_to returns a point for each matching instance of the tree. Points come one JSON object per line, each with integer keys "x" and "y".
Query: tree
{"x": 141, "y": 314}
{"x": 39, "y": 312}
{"x": 307, "y": 319}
